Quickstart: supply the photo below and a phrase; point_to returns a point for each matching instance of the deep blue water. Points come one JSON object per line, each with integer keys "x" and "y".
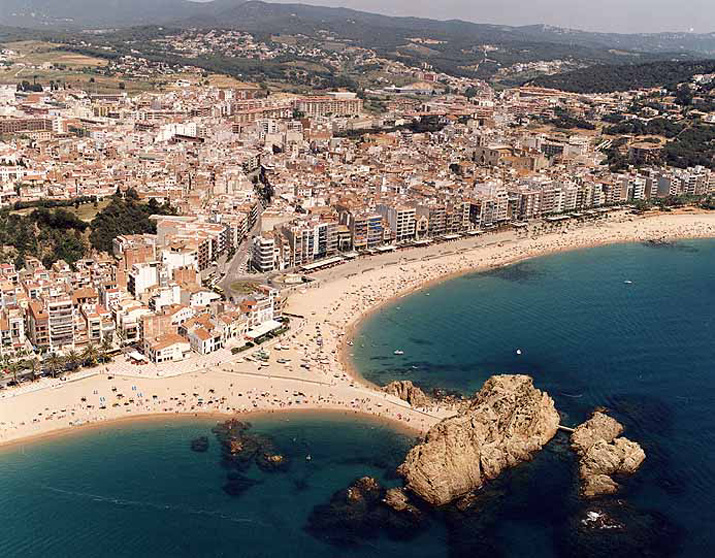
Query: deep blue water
{"x": 644, "y": 350}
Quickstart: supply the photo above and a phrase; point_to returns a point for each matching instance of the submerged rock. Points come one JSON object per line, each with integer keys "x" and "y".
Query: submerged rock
{"x": 409, "y": 392}
{"x": 240, "y": 448}
{"x": 270, "y": 461}
{"x": 237, "y": 484}
{"x": 504, "y": 424}
{"x": 200, "y": 444}
{"x": 362, "y": 511}
{"x": 603, "y": 453}
{"x": 397, "y": 499}
{"x": 616, "y": 529}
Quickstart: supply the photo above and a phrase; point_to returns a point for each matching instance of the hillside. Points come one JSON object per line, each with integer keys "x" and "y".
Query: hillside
{"x": 295, "y": 18}
{"x": 457, "y": 47}
{"x": 610, "y": 78}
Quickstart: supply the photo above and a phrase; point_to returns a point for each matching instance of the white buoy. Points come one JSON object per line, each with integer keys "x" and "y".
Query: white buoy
{"x": 518, "y": 351}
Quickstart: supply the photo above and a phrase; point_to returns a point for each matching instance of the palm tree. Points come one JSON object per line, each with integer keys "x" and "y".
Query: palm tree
{"x": 5, "y": 362}
{"x": 35, "y": 367}
{"x": 90, "y": 355}
{"x": 14, "y": 367}
{"x": 105, "y": 348}
{"x": 55, "y": 365}
{"x": 72, "y": 360}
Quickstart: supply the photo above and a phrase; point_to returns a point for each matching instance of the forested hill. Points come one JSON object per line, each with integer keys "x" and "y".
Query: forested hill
{"x": 610, "y": 78}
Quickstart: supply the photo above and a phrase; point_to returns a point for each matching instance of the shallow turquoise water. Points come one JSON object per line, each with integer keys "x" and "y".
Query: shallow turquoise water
{"x": 644, "y": 349}
{"x": 136, "y": 490}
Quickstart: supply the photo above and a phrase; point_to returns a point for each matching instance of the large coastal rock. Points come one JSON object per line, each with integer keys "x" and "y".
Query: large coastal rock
{"x": 603, "y": 453}
{"x": 407, "y": 391}
{"x": 505, "y": 423}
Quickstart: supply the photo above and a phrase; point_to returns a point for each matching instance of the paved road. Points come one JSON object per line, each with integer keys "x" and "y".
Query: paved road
{"x": 236, "y": 268}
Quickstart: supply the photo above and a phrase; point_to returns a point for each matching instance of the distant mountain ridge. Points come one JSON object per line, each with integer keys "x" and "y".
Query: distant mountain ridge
{"x": 93, "y": 13}
{"x": 267, "y": 17}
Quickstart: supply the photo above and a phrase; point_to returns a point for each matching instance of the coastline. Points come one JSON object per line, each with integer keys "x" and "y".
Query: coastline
{"x": 153, "y": 418}
{"x": 335, "y": 308}
{"x": 354, "y": 326}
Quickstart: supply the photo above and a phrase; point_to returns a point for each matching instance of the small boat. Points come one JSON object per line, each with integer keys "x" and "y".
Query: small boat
{"x": 308, "y": 458}
{"x": 398, "y": 352}
{"x": 518, "y": 351}
{"x": 628, "y": 282}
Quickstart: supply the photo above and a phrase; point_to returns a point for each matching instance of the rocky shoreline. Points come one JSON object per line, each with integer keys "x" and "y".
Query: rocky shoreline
{"x": 459, "y": 474}
{"x": 504, "y": 424}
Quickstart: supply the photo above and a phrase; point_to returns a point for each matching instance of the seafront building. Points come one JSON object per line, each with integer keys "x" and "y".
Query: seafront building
{"x": 282, "y": 182}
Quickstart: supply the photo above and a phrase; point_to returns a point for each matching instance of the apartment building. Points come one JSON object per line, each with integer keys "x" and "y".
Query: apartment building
{"x": 264, "y": 253}
{"x": 436, "y": 216}
{"x": 61, "y": 322}
{"x": 365, "y": 227}
{"x": 310, "y": 241}
{"x": 142, "y": 277}
{"x": 401, "y": 219}
{"x": 24, "y": 125}
{"x": 12, "y": 331}
{"x": 38, "y": 326}
{"x": 209, "y": 240}
{"x": 335, "y": 104}
{"x": 490, "y": 210}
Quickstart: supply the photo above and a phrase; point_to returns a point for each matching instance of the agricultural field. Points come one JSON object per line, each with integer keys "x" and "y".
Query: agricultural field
{"x": 43, "y": 62}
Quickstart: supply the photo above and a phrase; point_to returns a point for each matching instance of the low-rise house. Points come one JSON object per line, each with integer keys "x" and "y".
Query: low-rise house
{"x": 169, "y": 347}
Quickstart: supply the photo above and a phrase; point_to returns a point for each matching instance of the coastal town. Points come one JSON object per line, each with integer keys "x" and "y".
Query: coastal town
{"x": 285, "y": 279}
{"x": 158, "y": 233}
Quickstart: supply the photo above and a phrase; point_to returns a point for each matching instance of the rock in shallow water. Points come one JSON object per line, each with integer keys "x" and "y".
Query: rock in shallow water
{"x": 615, "y": 529}
{"x": 237, "y": 484}
{"x": 505, "y": 423}
{"x": 364, "y": 510}
{"x": 200, "y": 444}
{"x": 240, "y": 448}
{"x": 602, "y": 454}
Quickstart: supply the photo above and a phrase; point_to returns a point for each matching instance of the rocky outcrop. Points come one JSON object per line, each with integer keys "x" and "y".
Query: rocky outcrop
{"x": 398, "y": 500}
{"x": 602, "y": 453}
{"x": 505, "y": 423}
{"x": 362, "y": 512}
{"x": 200, "y": 444}
{"x": 616, "y": 529}
{"x": 240, "y": 448}
{"x": 409, "y": 392}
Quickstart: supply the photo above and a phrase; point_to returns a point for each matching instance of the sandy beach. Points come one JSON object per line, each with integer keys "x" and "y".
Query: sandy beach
{"x": 332, "y": 308}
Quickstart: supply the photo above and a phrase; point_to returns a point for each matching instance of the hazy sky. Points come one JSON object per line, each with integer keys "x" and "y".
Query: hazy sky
{"x": 626, "y": 16}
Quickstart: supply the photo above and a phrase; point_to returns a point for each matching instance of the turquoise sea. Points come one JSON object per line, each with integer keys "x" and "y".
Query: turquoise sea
{"x": 644, "y": 349}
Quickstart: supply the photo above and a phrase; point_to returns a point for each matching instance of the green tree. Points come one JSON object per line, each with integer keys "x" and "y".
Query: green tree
{"x": 72, "y": 361}
{"x": 55, "y": 365}
{"x": 90, "y": 355}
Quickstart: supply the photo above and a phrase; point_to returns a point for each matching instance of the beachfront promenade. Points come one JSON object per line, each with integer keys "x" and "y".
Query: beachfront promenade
{"x": 226, "y": 384}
